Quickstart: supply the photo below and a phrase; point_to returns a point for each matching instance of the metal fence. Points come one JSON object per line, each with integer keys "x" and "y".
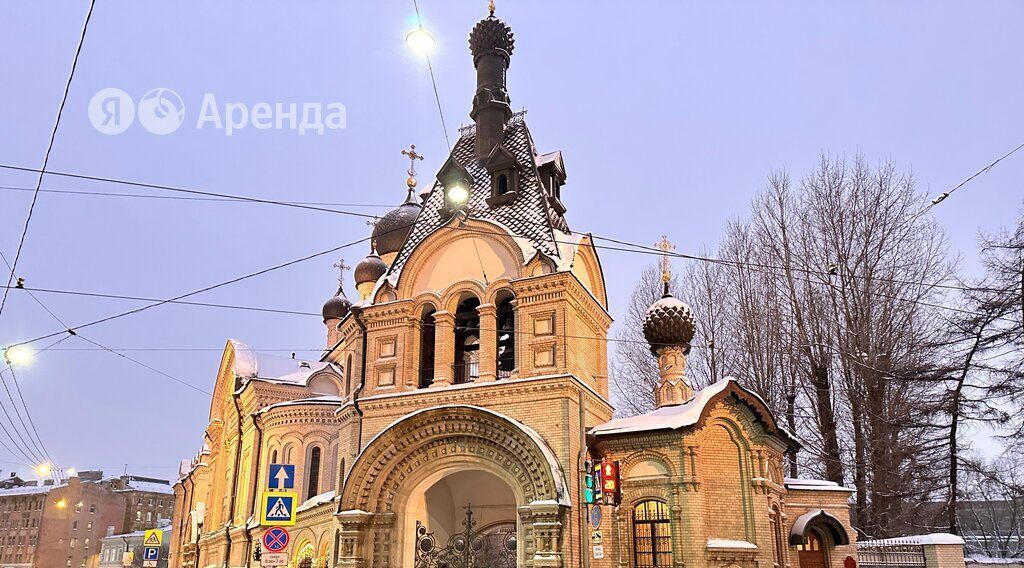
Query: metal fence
{"x": 890, "y": 553}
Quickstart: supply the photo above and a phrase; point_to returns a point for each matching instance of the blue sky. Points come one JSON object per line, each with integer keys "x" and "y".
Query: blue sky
{"x": 670, "y": 115}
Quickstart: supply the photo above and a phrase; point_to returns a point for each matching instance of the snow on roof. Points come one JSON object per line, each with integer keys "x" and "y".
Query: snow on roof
{"x": 814, "y": 485}
{"x": 726, "y": 543}
{"x": 249, "y": 364}
{"x": 26, "y": 490}
{"x": 328, "y": 400}
{"x": 316, "y": 501}
{"x": 666, "y": 417}
{"x": 149, "y": 487}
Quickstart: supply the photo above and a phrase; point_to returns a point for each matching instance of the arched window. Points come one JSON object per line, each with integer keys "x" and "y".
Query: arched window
{"x": 502, "y": 184}
{"x": 775, "y": 521}
{"x": 506, "y": 338}
{"x": 313, "y": 473}
{"x": 288, "y": 454}
{"x": 348, "y": 375}
{"x": 427, "y": 347}
{"x": 273, "y": 456}
{"x": 467, "y": 341}
{"x": 652, "y": 535}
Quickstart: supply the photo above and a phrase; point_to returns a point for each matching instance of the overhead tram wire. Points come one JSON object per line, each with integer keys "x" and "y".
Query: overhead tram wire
{"x": 193, "y": 191}
{"x": 46, "y": 157}
{"x": 141, "y": 364}
{"x": 187, "y": 198}
{"x": 37, "y": 442}
{"x": 644, "y": 248}
{"x": 433, "y": 81}
{"x": 636, "y": 248}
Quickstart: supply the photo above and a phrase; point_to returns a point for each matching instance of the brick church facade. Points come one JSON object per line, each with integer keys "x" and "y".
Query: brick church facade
{"x": 459, "y": 397}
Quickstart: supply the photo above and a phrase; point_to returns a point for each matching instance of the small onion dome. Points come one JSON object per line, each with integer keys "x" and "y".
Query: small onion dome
{"x": 669, "y": 321}
{"x": 338, "y": 306}
{"x": 370, "y": 269}
{"x": 489, "y": 35}
{"x": 391, "y": 231}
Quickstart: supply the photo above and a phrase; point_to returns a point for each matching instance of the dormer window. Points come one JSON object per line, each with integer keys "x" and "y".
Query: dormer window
{"x": 504, "y": 170}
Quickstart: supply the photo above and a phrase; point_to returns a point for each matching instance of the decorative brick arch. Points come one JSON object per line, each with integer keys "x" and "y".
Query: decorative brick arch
{"x": 399, "y": 459}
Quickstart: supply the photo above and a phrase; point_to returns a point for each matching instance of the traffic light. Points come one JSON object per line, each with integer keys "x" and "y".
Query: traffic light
{"x": 610, "y": 486}
{"x": 589, "y": 484}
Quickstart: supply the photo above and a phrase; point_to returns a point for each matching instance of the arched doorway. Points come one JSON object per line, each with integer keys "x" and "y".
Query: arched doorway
{"x": 467, "y": 341}
{"x": 812, "y": 552}
{"x": 424, "y": 467}
{"x": 467, "y": 519}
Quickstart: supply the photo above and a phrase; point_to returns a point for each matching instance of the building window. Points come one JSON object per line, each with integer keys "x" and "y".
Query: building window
{"x": 88, "y": 526}
{"x": 78, "y": 507}
{"x": 427, "y": 348}
{"x": 467, "y": 341}
{"x": 348, "y": 375}
{"x": 502, "y": 184}
{"x": 273, "y": 456}
{"x": 85, "y": 543}
{"x": 149, "y": 516}
{"x": 506, "y": 338}
{"x": 775, "y": 521}
{"x": 73, "y": 543}
{"x": 652, "y": 535}
{"x": 74, "y": 525}
{"x": 313, "y": 485}
{"x": 92, "y": 508}
{"x": 138, "y": 515}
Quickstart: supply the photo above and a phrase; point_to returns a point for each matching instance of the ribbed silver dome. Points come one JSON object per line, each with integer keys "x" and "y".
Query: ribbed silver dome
{"x": 669, "y": 321}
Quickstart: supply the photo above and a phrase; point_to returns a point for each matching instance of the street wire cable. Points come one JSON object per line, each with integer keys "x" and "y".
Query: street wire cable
{"x": 46, "y": 157}
{"x": 192, "y": 191}
{"x": 430, "y": 67}
{"x": 187, "y": 198}
{"x": 141, "y": 364}
{"x": 38, "y": 442}
{"x": 645, "y": 249}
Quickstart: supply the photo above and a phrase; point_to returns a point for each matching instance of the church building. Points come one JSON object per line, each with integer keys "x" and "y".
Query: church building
{"x": 461, "y": 397}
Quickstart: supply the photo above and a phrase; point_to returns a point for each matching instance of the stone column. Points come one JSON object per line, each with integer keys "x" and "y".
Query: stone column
{"x": 352, "y": 538}
{"x": 547, "y": 533}
{"x": 942, "y": 550}
{"x": 444, "y": 348}
{"x": 488, "y": 342}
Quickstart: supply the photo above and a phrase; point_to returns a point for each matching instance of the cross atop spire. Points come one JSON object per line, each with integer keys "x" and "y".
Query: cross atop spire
{"x": 666, "y": 269}
{"x": 490, "y": 7}
{"x": 342, "y": 267}
{"x": 413, "y": 156}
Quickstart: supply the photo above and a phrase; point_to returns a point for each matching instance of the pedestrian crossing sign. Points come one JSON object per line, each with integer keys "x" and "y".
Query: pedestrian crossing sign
{"x": 153, "y": 537}
{"x": 278, "y": 508}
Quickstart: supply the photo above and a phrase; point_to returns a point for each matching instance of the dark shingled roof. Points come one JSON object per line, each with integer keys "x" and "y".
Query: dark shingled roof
{"x": 529, "y": 216}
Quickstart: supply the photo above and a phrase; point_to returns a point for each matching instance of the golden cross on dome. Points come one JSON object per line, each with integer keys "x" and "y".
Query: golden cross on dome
{"x": 665, "y": 246}
{"x": 490, "y": 7}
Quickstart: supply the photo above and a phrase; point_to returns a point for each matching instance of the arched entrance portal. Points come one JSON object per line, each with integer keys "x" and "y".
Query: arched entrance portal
{"x": 450, "y": 468}
{"x": 464, "y": 519}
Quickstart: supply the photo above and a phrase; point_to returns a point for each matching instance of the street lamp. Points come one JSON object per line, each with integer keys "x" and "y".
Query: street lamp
{"x": 18, "y": 354}
{"x": 420, "y": 41}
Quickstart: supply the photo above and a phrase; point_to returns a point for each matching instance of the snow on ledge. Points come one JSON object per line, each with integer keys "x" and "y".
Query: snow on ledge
{"x": 814, "y": 485}
{"x": 726, "y": 543}
{"x": 934, "y": 538}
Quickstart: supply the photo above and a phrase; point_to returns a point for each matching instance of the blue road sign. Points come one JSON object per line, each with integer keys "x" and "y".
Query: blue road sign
{"x": 279, "y": 509}
{"x": 151, "y": 553}
{"x": 282, "y": 476}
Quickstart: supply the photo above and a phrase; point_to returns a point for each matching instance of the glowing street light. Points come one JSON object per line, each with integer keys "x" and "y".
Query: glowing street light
{"x": 18, "y": 354}
{"x": 458, "y": 195}
{"x": 62, "y": 503}
{"x": 420, "y": 41}
{"x": 71, "y": 472}
{"x": 43, "y": 469}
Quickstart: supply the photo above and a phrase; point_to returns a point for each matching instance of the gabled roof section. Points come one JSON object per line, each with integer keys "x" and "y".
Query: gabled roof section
{"x": 499, "y": 159}
{"x": 529, "y": 217}
{"x": 692, "y": 411}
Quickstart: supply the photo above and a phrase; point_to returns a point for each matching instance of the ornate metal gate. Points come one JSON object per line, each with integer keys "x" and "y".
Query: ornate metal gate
{"x": 492, "y": 548}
